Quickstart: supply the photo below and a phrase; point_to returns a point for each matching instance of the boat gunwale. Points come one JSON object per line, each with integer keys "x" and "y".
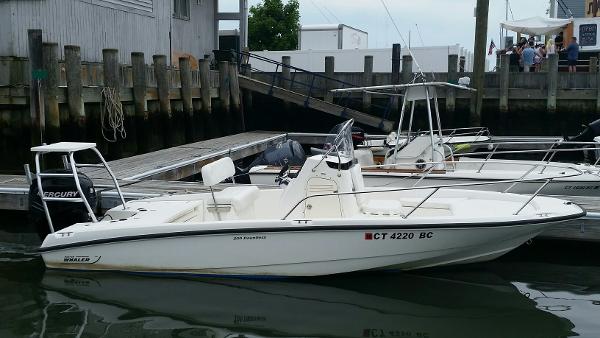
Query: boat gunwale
{"x": 413, "y": 226}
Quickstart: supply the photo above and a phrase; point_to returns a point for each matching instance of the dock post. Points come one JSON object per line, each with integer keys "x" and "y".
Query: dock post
{"x": 594, "y": 64}
{"x": 161, "y": 74}
{"x": 226, "y": 120}
{"x": 366, "y": 82}
{"x": 212, "y": 128}
{"x": 479, "y": 54}
{"x": 140, "y": 84}
{"x": 597, "y": 75}
{"x": 236, "y": 101}
{"x": 112, "y": 81}
{"x": 286, "y": 83}
{"x": 185, "y": 75}
{"x": 461, "y": 64}
{"x": 50, "y": 62}
{"x": 407, "y": 73}
{"x": 451, "y": 92}
{"x": 35, "y": 91}
{"x": 396, "y": 61}
{"x": 552, "y": 83}
{"x": 504, "y": 82}
{"x": 247, "y": 98}
{"x": 329, "y": 73}
{"x": 75, "y": 128}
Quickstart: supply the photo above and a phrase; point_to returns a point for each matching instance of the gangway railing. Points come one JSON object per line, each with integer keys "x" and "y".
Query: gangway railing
{"x": 311, "y": 85}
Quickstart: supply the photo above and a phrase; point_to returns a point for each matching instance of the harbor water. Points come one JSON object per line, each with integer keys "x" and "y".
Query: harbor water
{"x": 543, "y": 289}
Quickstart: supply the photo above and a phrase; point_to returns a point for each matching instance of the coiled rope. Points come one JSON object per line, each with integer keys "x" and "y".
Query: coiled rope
{"x": 112, "y": 118}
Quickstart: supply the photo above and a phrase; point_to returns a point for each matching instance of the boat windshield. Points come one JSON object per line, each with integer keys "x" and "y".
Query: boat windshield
{"x": 339, "y": 143}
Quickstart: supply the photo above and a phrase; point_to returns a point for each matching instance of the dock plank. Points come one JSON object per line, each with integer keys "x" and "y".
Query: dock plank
{"x": 186, "y": 160}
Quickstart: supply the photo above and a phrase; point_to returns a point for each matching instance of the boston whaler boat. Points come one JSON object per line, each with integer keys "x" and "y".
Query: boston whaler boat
{"x": 324, "y": 222}
{"x": 428, "y": 159}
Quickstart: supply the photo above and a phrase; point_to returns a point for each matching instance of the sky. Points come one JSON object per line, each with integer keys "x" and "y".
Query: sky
{"x": 439, "y": 22}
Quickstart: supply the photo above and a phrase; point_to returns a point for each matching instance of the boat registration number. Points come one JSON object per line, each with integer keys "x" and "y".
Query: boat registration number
{"x": 375, "y": 236}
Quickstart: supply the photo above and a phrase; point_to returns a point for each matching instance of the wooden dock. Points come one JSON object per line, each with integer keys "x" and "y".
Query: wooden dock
{"x": 155, "y": 173}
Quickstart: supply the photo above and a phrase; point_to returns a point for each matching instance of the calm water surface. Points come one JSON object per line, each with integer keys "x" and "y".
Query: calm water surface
{"x": 547, "y": 289}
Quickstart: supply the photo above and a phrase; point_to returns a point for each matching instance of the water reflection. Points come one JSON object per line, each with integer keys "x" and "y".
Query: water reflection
{"x": 463, "y": 305}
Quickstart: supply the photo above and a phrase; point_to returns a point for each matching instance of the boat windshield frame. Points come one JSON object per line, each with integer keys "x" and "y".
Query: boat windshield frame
{"x": 341, "y": 146}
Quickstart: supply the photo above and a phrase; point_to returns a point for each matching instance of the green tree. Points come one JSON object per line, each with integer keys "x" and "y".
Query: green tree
{"x": 273, "y": 25}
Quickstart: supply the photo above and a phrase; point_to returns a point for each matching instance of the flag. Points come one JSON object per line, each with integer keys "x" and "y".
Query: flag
{"x": 492, "y": 47}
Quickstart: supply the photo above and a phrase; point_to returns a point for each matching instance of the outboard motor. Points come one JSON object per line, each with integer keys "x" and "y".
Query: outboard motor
{"x": 588, "y": 134}
{"x": 63, "y": 213}
{"x": 284, "y": 154}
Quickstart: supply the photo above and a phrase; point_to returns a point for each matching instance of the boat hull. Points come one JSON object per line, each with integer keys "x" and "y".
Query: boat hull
{"x": 295, "y": 249}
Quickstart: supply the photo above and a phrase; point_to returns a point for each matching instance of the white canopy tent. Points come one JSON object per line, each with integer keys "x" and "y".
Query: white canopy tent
{"x": 536, "y": 25}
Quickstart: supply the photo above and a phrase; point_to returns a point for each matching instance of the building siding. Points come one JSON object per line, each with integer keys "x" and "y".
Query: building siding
{"x": 576, "y": 6}
{"x": 97, "y": 24}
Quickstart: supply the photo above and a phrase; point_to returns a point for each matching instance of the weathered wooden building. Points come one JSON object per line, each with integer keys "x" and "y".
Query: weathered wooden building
{"x": 168, "y": 27}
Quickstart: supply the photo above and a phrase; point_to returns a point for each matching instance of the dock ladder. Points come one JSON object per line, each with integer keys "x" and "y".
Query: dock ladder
{"x": 69, "y": 149}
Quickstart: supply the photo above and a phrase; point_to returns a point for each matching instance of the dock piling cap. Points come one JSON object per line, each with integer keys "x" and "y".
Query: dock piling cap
{"x": 63, "y": 147}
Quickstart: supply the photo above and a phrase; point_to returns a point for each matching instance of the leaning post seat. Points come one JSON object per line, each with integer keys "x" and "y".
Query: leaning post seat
{"x": 240, "y": 197}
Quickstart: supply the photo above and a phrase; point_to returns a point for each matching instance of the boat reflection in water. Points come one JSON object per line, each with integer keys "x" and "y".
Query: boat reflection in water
{"x": 463, "y": 304}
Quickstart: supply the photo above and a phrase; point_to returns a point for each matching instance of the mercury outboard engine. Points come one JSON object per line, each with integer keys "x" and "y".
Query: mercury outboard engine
{"x": 63, "y": 213}
{"x": 588, "y": 134}
{"x": 284, "y": 154}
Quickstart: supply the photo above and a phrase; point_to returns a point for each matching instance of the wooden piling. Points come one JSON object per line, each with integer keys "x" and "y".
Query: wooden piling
{"x": 185, "y": 74}
{"x": 593, "y": 64}
{"x": 161, "y": 74}
{"x": 552, "y": 83}
{"x": 396, "y": 78}
{"x": 396, "y": 60}
{"x": 140, "y": 84}
{"x": 50, "y": 63}
{"x": 239, "y": 124}
{"x": 462, "y": 64}
{"x": 407, "y": 69}
{"x": 36, "y": 113}
{"x": 329, "y": 73}
{"x": 112, "y": 81}
{"x": 367, "y": 81}
{"x": 75, "y": 128}
{"x": 504, "y": 82}
{"x": 479, "y": 54}
{"x": 212, "y": 129}
{"x": 286, "y": 83}
{"x": 225, "y": 120}
{"x": 247, "y": 99}
{"x": 452, "y": 78}
{"x": 597, "y": 75}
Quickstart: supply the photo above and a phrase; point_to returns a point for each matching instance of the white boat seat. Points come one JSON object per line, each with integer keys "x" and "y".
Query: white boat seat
{"x": 217, "y": 171}
{"x": 240, "y": 198}
{"x": 382, "y": 208}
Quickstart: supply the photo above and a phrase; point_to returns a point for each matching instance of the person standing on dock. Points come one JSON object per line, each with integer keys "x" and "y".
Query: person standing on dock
{"x": 573, "y": 55}
{"x": 528, "y": 57}
{"x": 558, "y": 41}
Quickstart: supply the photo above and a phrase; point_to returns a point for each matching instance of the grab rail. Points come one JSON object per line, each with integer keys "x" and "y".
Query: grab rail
{"x": 436, "y": 188}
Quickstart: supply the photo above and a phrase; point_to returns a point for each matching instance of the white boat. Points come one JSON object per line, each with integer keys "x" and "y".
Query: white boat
{"x": 324, "y": 222}
{"x": 428, "y": 159}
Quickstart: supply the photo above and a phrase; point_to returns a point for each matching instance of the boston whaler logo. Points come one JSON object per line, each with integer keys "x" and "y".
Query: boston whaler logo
{"x": 82, "y": 259}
